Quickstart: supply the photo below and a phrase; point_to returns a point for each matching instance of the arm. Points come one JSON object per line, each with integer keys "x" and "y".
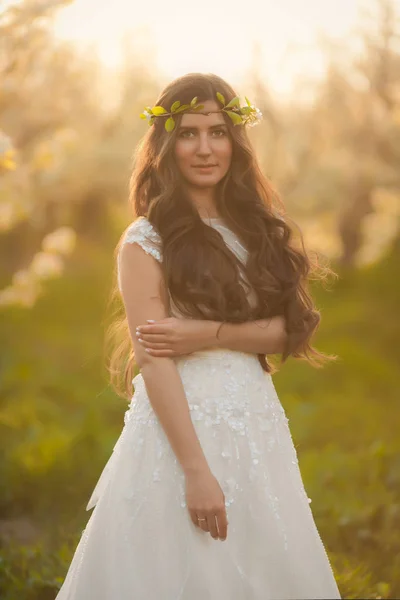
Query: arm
{"x": 264, "y": 336}
{"x": 162, "y": 380}
{"x": 177, "y": 336}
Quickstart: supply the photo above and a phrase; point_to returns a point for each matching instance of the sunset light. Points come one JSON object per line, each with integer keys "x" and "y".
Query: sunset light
{"x": 214, "y": 37}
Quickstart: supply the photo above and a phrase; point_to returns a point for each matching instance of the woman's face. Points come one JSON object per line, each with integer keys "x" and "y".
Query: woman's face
{"x": 203, "y": 140}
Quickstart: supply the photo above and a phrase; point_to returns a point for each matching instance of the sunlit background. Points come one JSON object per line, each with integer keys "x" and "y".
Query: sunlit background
{"x": 74, "y": 77}
{"x": 215, "y": 37}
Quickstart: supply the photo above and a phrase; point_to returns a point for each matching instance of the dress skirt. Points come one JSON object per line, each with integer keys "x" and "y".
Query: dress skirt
{"x": 140, "y": 543}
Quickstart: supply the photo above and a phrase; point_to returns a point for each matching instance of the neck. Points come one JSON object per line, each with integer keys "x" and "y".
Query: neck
{"x": 203, "y": 199}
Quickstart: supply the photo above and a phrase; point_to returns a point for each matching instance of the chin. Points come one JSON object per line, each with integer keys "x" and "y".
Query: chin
{"x": 203, "y": 182}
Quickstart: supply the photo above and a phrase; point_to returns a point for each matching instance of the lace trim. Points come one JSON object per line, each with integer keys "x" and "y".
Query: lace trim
{"x": 143, "y": 233}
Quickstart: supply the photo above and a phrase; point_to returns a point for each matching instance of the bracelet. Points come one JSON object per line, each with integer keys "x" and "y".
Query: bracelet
{"x": 216, "y": 335}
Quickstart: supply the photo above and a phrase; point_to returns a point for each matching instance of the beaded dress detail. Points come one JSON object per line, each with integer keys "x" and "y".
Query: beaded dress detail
{"x": 140, "y": 543}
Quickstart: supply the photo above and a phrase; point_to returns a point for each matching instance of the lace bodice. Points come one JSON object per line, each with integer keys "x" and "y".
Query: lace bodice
{"x": 143, "y": 233}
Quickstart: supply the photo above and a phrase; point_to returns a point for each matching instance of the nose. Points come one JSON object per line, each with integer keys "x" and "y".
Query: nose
{"x": 203, "y": 148}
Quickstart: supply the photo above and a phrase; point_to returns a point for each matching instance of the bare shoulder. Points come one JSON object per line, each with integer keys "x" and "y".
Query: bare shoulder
{"x": 140, "y": 276}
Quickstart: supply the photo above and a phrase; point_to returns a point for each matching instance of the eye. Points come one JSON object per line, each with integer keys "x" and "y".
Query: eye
{"x": 186, "y": 134}
{"x": 219, "y": 132}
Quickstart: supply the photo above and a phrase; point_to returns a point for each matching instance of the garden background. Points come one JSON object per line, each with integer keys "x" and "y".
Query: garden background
{"x": 69, "y": 123}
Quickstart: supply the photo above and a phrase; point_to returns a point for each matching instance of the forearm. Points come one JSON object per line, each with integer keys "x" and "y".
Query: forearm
{"x": 167, "y": 397}
{"x": 263, "y": 336}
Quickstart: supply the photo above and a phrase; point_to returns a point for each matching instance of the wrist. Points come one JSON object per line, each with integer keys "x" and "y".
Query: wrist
{"x": 210, "y": 333}
{"x": 217, "y": 339}
{"x": 196, "y": 469}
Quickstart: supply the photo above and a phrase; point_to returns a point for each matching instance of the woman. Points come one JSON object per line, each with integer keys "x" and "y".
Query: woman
{"x": 211, "y": 284}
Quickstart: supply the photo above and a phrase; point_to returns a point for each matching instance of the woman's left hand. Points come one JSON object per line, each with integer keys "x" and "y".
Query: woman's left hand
{"x": 175, "y": 336}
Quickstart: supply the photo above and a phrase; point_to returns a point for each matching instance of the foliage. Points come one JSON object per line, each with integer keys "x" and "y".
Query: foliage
{"x": 30, "y": 572}
{"x": 248, "y": 114}
{"x": 150, "y": 114}
{"x": 64, "y": 155}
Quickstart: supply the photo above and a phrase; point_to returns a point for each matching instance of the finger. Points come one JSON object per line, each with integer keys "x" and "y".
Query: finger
{"x": 213, "y": 526}
{"x": 222, "y": 524}
{"x": 193, "y": 516}
{"x": 161, "y": 352}
{"x": 152, "y": 337}
{"x": 165, "y": 320}
{"x": 152, "y": 328}
{"x": 154, "y": 345}
{"x": 203, "y": 524}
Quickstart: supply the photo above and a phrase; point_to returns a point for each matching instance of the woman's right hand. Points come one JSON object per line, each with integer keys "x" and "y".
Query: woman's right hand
{"x": 205, "y": 499}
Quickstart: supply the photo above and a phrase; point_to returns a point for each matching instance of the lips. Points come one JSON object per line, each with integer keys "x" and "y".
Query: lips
{"x": 200, "y": 167}
{"x": 204, "y": 166}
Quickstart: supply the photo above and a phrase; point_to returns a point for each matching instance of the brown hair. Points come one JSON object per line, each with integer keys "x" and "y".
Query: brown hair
{"x": 277, "y": 270}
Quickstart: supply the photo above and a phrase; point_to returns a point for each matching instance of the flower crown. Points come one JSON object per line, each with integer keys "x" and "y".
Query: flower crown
{"x": 240, "y": 115}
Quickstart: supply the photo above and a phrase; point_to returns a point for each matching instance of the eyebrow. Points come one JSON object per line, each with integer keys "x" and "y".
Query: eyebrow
{"x": 218, "y": 126}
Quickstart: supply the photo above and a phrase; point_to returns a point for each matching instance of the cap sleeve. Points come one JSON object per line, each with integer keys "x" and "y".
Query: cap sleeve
{"x": 143, "y": 233}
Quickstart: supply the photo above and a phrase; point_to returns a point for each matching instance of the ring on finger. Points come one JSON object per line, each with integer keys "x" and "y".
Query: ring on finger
{"x": 202, "y": 523}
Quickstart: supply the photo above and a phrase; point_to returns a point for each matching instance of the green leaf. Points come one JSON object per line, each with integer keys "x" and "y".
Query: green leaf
{"x": 175, "y": 106}
{"x": 237, "y": 119}
{"x": 170, "y": 124}
{"x": 194, "y": 101}
{"x": 158, "y": 110}
{"x": 248, "y": 101}
{"x": 221, "y": 98}
{"x": 234, "y": 102}
{"x": 246, "y": 110}
{"x": 182, "y": 108}
{"x": 198, "y": 107}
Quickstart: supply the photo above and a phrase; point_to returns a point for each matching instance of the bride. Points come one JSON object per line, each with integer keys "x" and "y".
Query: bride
{"x": 202, "y": 497}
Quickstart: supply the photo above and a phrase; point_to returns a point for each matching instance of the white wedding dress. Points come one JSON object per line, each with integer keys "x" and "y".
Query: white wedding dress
{"x": 140, "y": 543}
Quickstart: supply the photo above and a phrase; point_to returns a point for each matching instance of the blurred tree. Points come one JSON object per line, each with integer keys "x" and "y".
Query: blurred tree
{"x": 375, "y": 139}
{"x": 67, "y": 142}
{"x": 28, "y": 113}
{"x": 334, "y": 149}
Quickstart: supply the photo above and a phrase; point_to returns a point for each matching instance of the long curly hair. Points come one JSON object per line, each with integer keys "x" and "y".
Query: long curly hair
{"x": 278, "y": 268}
